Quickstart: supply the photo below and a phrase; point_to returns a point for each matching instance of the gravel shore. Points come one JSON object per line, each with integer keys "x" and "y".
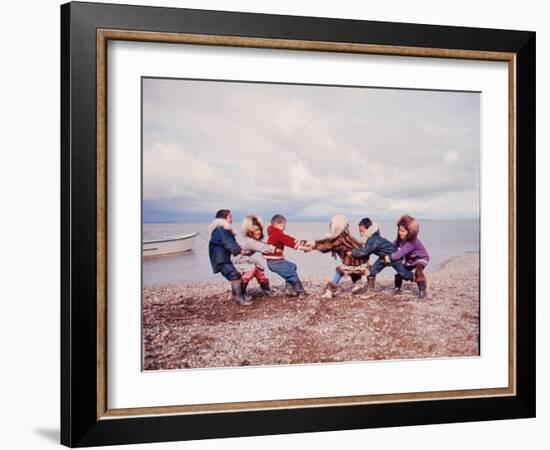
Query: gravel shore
{"x": 197, "y": 325}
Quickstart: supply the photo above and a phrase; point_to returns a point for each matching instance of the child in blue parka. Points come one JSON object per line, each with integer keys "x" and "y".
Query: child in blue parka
{"x": 379, "y": 246}
{"x": 220, "y": 248}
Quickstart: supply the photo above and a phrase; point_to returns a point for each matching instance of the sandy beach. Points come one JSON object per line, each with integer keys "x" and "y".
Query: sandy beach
{"x": 198, "y": 326}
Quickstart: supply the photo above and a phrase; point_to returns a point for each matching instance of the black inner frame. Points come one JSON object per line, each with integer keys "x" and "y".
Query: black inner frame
{"x": 79, "y": 424}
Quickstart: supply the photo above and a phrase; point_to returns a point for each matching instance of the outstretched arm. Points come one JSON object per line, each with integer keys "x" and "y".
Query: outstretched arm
{"x": 363, "y": 252}
{"x": 289, "y": 241}
{"x": 323, "y": 245}
{"x": 257, "y": 246}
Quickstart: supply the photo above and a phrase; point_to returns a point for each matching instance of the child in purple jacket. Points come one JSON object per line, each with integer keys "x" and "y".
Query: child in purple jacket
{"x": 411, "y": 249}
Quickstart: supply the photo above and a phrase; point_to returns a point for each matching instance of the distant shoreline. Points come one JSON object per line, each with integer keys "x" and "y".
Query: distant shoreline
{"x": 442, "y": 239}
{"x": 275, "y": 280}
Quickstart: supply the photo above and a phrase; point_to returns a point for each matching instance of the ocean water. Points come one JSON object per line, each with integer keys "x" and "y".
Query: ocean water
{"x": 443, "y": 239}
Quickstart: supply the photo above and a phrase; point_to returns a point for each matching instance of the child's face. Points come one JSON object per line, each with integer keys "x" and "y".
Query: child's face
{"x": 280, "y": 226}
{"x": 256, "y": 232}
{"x": 362, "y": 230}
{"x": 403, "y": 233}
{"x": 229, "y": 218}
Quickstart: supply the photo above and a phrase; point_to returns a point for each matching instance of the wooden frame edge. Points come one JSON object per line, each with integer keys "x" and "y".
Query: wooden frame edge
{"x": 103, "y": 35}
{"x": 289, "y": 44}
{"x": 512, "y": 199}
{"x": 101, "y": 189}
{"x": 303, "y": 403}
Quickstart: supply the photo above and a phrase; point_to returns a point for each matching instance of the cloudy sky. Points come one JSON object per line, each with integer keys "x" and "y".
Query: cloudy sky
{"x": 307, "y": 152}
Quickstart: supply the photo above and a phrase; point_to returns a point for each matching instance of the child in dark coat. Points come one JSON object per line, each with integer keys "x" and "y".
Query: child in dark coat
{"x": 220, "y": 248}
{"x": 413, "y": 252}
{"x": 276, "y": 260}
{"x": 379, "y": 246}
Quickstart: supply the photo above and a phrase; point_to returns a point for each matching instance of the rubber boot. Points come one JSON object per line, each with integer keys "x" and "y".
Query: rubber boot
{"x": 421, "y": 290}
{"x": 266, "y": 289}
{"x": 246, "y": 296}
{"x": 398, "y": 282}
{"x": 289, "y": 291}
{"x": 330, "y": 290}
{"x": 237, "y": 291}
{"x": 299, "y": 288}
{"x": 358, "y": 287}
{"x": 370, "y": 282}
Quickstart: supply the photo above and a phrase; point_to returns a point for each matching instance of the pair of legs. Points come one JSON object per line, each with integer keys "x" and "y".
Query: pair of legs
{"x": 254, "y": 273}
{"x": 398, "y": 266}
{"x": 260, "y": 277}
{"x": 289, "y": 272}
{"x": 231, "y": 274}
{"x": 403, "y": 273}
{"x": 418, "y": 276}
{"x": 355, "y": 276}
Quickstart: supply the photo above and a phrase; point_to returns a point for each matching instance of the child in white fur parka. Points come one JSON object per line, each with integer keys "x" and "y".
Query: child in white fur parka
{"x": 252, "y": 241}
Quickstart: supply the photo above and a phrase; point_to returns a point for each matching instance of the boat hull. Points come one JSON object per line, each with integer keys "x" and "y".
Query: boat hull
{"x": 169, "y": 246}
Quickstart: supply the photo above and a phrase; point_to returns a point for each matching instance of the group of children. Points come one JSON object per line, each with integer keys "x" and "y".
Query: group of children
{"x": 233, "y": 259}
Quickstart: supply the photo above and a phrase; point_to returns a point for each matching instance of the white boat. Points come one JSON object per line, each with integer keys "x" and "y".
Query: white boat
{"x": 169, "y": 246}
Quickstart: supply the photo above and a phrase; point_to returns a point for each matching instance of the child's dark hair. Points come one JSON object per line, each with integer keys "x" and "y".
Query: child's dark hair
{"x": 410, "y": 224}
{"x": 365, "y": 222}
{"x": 223, "y": 214}
{"x": 278, "y": 218}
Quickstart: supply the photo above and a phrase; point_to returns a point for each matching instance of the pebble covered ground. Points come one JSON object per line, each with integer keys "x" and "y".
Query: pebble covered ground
{"x": 198, "y": 326}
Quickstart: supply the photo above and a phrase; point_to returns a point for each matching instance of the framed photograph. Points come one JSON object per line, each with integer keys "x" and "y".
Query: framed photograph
{"x": 278, "y": 224}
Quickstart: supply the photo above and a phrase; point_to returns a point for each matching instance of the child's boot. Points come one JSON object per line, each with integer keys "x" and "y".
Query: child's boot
{"x": 266, "y": 289}
{"x": 358, "y": 287}
{"x": 246, "y": 296}
{"x": 421, "y": 290}
{"x": 289, "y": 291}
{"x": 299, "y": 288}
{"x": 398, "y": 282}
{"x": 370, "y": 282}
{"x": 237, "y": 291}
{"x": 330, "y": 290}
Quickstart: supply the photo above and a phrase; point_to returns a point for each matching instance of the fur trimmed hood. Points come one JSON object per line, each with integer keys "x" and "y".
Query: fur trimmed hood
{"x": 338, "y": 225}
{"x": 216, "y": 223}
{"x": 374, "y": 228}
{"x": 248, "y": 223}
{"x": 410, "y": 223}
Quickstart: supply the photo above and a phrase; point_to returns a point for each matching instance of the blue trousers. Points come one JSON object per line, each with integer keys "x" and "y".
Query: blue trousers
{"x": 284, "y": 268}
{"x": 229, "y": 272}
{"x": 398, "y": 266}
{"x": 337, "y": 277}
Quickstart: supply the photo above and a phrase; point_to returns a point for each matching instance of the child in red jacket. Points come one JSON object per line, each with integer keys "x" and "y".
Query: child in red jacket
{"x": 277, "y": 262}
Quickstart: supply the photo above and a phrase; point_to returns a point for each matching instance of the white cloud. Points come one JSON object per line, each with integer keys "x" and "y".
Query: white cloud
{"x": 171, "y": 171}
{"x": 309, "y": 150}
